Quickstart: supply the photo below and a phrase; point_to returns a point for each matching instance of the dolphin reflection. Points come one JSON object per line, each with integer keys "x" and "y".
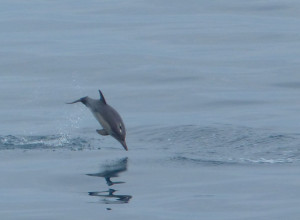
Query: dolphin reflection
{"x": 109, "y": 197}
{"x": 109, "y": 171}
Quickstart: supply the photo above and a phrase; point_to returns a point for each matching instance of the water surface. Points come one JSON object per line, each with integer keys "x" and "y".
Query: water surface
{"x": 209, "y": 93}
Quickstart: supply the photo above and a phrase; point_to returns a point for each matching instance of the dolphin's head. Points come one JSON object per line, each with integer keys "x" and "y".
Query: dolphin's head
{"x": 119, "y": 133}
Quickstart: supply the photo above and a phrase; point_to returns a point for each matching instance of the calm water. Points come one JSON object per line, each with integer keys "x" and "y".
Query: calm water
{"x": 197, "y": 83}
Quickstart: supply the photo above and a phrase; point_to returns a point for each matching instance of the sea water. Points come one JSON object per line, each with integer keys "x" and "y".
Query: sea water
{"x": 208, "y": 91}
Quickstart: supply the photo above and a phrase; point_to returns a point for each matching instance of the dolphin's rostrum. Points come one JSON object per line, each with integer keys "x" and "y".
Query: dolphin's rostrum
{"x": 107, "y": 116}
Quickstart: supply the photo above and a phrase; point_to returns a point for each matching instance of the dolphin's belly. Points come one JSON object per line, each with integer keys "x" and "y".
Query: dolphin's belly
{"x": 102, "y": 122}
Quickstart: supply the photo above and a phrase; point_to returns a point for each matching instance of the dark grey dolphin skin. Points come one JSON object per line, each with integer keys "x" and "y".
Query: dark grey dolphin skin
{"x": 107, "y": 116}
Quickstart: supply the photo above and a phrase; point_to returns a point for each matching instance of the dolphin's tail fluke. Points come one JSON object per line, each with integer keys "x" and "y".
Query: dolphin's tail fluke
{"x": 79, "y": 100}
{"x": 83, "y": 100}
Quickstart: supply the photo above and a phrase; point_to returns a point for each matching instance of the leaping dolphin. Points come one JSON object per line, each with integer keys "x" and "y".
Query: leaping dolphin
{"x": 107, "y": 116}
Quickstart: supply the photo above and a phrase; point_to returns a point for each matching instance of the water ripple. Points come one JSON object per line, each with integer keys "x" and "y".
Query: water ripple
{"x": 223, "y": 144}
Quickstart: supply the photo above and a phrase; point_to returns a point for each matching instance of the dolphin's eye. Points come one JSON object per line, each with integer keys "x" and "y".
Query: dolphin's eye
{"x": 120, "y": 126}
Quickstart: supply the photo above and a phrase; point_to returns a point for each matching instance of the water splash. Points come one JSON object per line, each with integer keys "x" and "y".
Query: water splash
{"x": 43, "y": 142}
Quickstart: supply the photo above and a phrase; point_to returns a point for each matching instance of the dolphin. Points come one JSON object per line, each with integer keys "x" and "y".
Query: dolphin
{"x": 107, "y": 116}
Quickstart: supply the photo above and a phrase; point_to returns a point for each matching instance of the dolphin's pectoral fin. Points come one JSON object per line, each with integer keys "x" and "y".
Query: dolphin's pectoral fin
{"x": 102, "y": 132}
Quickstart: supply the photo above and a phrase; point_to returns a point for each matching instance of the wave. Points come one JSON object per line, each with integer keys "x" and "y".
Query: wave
{"x": 217, "y": 145}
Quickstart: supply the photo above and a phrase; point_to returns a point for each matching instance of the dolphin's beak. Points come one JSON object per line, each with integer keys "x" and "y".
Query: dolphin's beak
{"x": 124, "y": 145}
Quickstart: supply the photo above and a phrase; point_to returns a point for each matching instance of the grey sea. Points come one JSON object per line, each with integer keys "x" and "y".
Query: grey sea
{"x": 208, "y": 90}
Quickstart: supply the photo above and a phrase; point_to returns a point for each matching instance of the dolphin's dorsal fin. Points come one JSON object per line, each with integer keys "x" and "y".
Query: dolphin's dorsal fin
{"x": 102, "y": 97}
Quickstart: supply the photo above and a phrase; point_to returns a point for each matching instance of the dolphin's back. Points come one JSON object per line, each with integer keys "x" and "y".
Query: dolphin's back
{"x": 107, "y": 116}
